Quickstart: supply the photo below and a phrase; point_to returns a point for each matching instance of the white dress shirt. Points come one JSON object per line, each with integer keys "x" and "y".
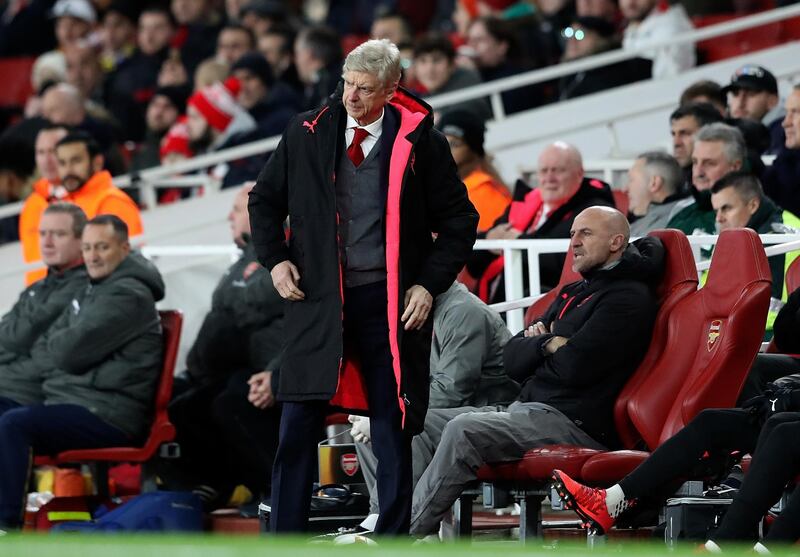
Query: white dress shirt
{"x": 374, "y": 129}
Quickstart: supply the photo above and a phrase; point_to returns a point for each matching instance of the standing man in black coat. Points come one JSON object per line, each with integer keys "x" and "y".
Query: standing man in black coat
{"x": 366, "y": 182}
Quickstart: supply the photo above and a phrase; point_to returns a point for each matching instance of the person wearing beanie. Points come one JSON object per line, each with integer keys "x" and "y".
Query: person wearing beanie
{"x": 587, "y": 36}
{"x": 271, "y": 103}
{"x": 215, "y": 121}
{"x": 163, "y": 110}
{"x": 465, "y": 132}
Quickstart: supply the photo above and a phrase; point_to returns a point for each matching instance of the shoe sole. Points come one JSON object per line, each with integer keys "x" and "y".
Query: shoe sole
{"x": 589, "y": 523}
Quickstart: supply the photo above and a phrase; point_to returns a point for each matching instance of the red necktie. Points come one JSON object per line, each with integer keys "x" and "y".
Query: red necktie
{"x": 354, "y": 151}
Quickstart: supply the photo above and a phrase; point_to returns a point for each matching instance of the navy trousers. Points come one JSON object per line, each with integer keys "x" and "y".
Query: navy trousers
{"x": 43, "y": 429}
{"x": 366, "y": 332}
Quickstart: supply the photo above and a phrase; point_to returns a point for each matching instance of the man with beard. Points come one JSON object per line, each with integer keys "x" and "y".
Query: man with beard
{"x": 87, "y": 185}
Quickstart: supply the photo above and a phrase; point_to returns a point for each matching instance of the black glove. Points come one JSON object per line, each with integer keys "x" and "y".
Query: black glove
{"x": 774, "y": 400}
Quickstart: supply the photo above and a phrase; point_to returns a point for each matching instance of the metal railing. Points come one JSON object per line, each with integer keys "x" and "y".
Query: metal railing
{"x": 493, "y": 89}
{"x": 513, "y": 251}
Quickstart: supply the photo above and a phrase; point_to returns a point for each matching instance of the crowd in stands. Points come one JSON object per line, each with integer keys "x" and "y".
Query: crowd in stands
{"x": 122, "y": 86}
{"x": 160, "y": 81}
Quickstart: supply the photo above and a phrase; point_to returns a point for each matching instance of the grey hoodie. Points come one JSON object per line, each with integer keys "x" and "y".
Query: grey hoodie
{"x": 38, "y": 307}
{"x": 106, "y": 349}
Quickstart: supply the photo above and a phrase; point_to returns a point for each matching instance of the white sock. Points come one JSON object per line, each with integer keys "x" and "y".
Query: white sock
{"x": 615, "y": 500}
{"x": 712, "y": 547}
{"x": 761, "y": 549}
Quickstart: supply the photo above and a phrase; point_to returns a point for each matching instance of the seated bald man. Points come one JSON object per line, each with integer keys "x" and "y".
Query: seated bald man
{"x": 572, "y": 362}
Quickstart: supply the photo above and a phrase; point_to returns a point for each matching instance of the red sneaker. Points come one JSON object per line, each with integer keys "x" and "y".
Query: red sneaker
{"x": 589, "y": 503}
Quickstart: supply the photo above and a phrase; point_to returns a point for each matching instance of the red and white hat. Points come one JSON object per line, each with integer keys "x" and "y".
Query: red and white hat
{"x": 176, "y": 140}
{"x": 217, "y": 102}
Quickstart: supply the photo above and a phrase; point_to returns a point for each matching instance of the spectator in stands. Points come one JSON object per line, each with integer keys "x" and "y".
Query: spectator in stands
{"x": 21, "y": 371}
{"x": 684, "y": 123}
{"x": 568, "y": 362}
{"x": 277, "y": 46}
{"x": 466, "y": 370}
{"x": 318, "y": 59}
{"x": 118, "y": 33}
{"x": 650, "y": 21}
{"x": 782, "y": 178}
{"x": 487, "y": 192}
{"x": 130, "y": 87}
{"x": 655, "y": 192}
{"x": 227, "y": 436}
{"x": 26, "y": 28}
{"x": 199, "y": 24}
{"x": 163, "y": 110}
{"x": 497, "y": 55}
{"x": 739, "y": 202}
{"x": 216, "y": 122}
{"x": 262, "y": 15}
{"x": 764, "y": 429}
{"x": 351, "y": 306}
{"x": 544, "y": 212}
{"x": 105, "y": 357}
{"x": 718, "y": 149}
{"x": 86, "y": 184}
{"x": 44, "y": 190}
{"x": 16, "y": 178}
{"x": 753, "y": 95}
{"x": 604, "y": 9}
{"x": 63, "y": 104}
{"x": 75, "y": 20}
{"x": 705, "y": 91}
{"x": 175, "y": 144}
{"x": 588, "y": 36}
{"x": 86, "y": 75}
{"x": 233, "y": 42}
{"x": 436, "y": 70}
{"x": 393, "y": 26}
{"x": 271, "y": 104}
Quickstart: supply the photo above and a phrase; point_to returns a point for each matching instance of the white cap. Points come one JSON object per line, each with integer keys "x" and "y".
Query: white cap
{"x": 79, "y": 9}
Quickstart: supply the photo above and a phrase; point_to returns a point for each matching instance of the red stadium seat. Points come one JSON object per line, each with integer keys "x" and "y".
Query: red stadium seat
{"x": 712, "y": 338}
{"x": 621, "y": 201}
{"x": 162, "y": 431}
{"x": 568, "y": 276}
{"x": 530, "y": 475}
{"x": 16, "y": 87}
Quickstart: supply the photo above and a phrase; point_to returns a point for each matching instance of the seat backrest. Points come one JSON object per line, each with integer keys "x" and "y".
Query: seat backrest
{"x": 678, "y": 281}
{"x": 713, "y": 336}
{"x": 793, "y": 276}
{"x": 16, "y": 81}
{"x": 540, "y": 306}
{"x": 171, "y": 325}
{"x": 621, "y": 201}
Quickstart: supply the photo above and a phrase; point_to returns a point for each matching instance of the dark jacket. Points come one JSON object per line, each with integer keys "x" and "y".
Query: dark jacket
{"x": 697, "y": 218}
{"x": 129, "y": 89}
{"x": 244, "y": 328}
{"x": 423, "y": 195}
{"x": 782, "y": 178}
{"x": 487, "y": 266}
{"x": 272, "y": 114}
{"x": 38, "y": 307}
{"x": 105, "y": 350}
{"x": 607, "y": 319}
{"x": 786, "y": 328}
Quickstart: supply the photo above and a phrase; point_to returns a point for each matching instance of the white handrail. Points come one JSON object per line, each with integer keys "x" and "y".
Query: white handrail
{"x": 497, "y": 86}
